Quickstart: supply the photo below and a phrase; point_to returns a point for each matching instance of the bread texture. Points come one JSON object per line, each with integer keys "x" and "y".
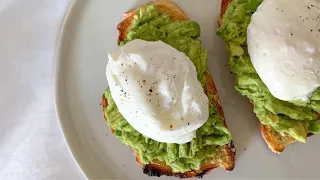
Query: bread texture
{"x": 225, "y": 154}
{"x": 276, "y": 142}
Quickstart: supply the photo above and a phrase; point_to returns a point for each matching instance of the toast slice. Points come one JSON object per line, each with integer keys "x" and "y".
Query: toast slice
{"x": 276, "y": 142}
{"x": 225, "y": 156}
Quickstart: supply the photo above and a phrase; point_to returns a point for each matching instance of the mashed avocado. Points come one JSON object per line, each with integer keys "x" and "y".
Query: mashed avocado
{"x": 295, "y": 118}
{"x": 152, "y": 25}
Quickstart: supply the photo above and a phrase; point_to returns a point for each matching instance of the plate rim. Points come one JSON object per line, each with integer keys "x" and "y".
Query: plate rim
{"x": 57, "y": 94}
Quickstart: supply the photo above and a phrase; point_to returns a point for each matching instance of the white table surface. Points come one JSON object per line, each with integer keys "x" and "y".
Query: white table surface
{"x": 32, "y": 145}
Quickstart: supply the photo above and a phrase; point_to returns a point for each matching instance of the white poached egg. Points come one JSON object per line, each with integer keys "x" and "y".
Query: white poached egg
{"x": 284, "y": 47}
{"x": 156, "y": 89}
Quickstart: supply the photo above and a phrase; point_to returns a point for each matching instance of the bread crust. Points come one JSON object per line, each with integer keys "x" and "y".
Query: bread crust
{"x": 276, "y": 142}
{"x": 223, "y": 9}
{"x": 225, "y": 154}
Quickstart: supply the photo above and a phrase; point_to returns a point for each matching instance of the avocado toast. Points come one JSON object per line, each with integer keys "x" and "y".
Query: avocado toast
{"x": 212, "y": 147}
{"x": 282, "y": 122}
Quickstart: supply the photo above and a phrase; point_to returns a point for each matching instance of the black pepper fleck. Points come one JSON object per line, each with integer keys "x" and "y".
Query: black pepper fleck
{"x": 150, "y": 90}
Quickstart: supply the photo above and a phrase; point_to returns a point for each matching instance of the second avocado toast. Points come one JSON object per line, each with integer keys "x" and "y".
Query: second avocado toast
{"x": 282, "y": 122}
{"x": 212, "y": 147}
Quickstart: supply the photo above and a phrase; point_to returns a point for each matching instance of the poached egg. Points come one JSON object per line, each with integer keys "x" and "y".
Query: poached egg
{"x": 156, "y": 89}
{"x": 284, "y": 46}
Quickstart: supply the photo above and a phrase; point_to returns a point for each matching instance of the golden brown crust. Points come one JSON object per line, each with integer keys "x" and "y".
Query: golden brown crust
{"x": 275, "y": 141}
{"x": 226, "y": 154}
{"x": 224, "y": 7}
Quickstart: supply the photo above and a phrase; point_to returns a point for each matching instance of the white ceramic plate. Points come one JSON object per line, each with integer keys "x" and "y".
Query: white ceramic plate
{"x": 89, "y": 32}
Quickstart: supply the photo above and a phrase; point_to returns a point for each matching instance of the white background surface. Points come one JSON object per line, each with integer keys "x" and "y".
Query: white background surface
{"x": 32, "y": 145}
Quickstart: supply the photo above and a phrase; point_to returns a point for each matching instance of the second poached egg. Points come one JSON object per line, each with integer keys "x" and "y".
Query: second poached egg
{"x": 284, "y": 47}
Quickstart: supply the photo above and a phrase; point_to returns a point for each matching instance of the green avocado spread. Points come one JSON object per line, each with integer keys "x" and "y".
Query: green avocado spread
{"x": 297, "y": 118}
{"x": 152, "y": 25}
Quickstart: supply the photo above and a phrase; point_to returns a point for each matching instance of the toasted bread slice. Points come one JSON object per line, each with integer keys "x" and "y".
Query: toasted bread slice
{"x": 276, "y": 142}
{"x": 225, "y": 154}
